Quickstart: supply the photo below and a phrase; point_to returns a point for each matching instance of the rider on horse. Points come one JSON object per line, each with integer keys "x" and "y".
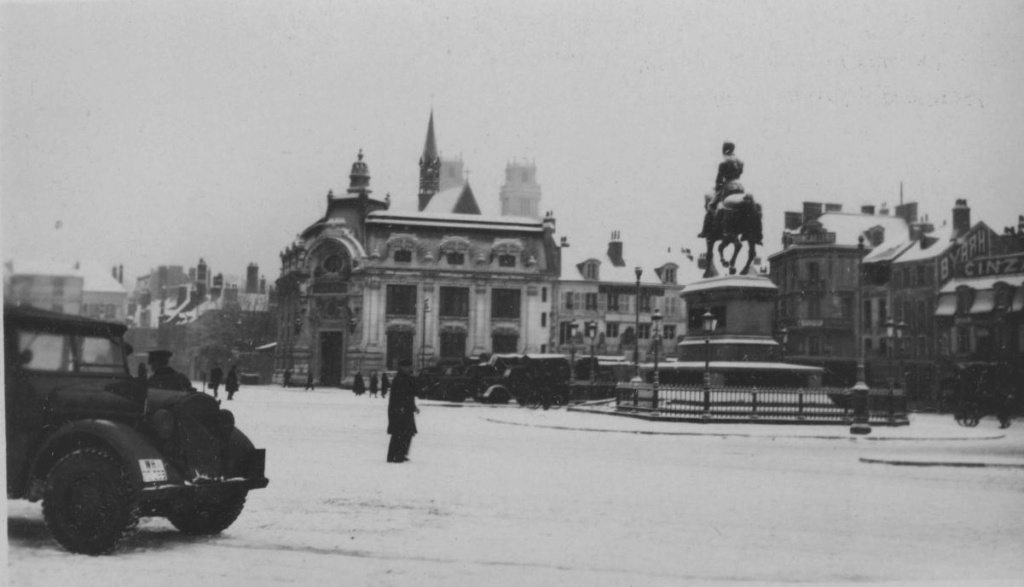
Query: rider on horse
{"x": 726, "y": 184}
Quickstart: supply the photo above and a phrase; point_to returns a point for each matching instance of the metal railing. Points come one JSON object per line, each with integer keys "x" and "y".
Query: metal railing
{"x": 748, "y": 404}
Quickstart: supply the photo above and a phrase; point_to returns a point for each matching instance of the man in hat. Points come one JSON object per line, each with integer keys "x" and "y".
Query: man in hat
{"x": 401, "y": 410}
{"x": 163, "y": 376}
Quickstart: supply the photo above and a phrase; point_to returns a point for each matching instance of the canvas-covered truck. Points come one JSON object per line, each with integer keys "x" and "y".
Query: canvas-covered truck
{"x": 101, "y": 448}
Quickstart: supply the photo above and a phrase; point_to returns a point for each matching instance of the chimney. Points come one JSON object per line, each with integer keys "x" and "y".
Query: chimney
{"x": 908, "y": 212}
{"x": 812, "y": 210}
{"x": 961, "y": 217}
{"x": 182, "y": 294}
{"x": 868, "y": 210}
{"x": 120, "y": 273}
{"x": 161, "y": 280}
{"x": 615, "y": 250}
{"x": 263, "y": 285}
{"x": 252, "y": 277}
{"x": 884, "y": 210}
{"x": 793, "y": 220}
{"x": 113, "y": 272}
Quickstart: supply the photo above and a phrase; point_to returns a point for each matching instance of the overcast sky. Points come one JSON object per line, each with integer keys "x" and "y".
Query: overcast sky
{"x": 153, "y": 133}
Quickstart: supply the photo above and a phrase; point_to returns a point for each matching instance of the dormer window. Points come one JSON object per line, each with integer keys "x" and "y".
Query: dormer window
{"x": 668, "y": 275}
{"x": 506, "y": 260}
{"x": 590, "y": 271}
{"x": 456, "y": 258}
{"x": 403, "y": 256}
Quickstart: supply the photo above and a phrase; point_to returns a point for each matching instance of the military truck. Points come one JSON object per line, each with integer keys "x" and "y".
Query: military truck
{"x": 101, "y": 448}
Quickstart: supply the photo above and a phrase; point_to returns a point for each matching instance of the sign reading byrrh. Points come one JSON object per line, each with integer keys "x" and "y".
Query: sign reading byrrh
{"x": 975, "y": 244}
{"x": 991, "y": 266}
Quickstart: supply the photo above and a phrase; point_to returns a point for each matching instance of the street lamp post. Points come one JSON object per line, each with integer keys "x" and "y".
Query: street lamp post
{"x": 901, "y": 328}
{"x": 656, "y": 341}
{"x": 860, "y": 423}
{"x": 636, "y": 331}
{"x": 423, "y": 335}
{"x": 710, "y": 322}
{"x": 573, "y": 327}
{"x": 890, "y": 334}
{"x": 785, "y": 339}
{"x": 591, "y": 332}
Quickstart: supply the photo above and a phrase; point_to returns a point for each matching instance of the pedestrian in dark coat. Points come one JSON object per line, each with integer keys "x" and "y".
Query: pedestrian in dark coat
{"x": 164, "y": 376}
{"x": 216, "y": 376}
{"x": 309, "y": 381}
{"x": 385, "y": 384}
{"x": 374, "y": 383}
{"x": 358, "y": 386}
{"x": 287, "y": 382}
{"x": 401, "y": 413}
{"x": 231, "y": 383}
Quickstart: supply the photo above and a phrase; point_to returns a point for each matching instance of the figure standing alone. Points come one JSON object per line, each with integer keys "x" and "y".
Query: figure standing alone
{"x": 216, "y": 376}
{"x": 385, "y": 384}
{"x": 401, "y": 413}
{"x": 374, "y": 383}
{"x": 231, "y": 383}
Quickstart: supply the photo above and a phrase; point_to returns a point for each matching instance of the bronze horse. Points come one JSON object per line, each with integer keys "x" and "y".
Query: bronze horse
{"x": 737, "y": 218}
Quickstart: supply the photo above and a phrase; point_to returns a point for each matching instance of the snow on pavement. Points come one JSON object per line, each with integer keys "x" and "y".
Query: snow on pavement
{"x": 511, "y": 496}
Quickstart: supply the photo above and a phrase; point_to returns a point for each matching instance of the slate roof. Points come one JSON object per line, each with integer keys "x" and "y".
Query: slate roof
{"x": 94, "y": 278}
{"x": 647, "y": 255}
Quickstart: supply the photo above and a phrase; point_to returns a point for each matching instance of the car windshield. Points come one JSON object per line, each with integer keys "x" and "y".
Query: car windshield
{"x": 45, "y": 351}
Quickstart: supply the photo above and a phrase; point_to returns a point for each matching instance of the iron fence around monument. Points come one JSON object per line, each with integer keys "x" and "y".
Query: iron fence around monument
{"x": 751, "y": 404}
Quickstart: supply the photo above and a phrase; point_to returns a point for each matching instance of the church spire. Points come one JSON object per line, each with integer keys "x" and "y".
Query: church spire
{"x": 430, "y": 166}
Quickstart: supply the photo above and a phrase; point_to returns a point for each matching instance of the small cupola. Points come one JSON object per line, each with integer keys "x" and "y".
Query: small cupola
{"x": 359, "y": 179}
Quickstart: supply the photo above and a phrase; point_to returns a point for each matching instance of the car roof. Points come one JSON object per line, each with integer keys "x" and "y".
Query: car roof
{"x": 57, "y": 322}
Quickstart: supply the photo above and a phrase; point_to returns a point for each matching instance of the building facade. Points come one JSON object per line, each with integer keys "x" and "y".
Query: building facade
{"x": 600, "y": 288}
{"x": 365, "y": 287}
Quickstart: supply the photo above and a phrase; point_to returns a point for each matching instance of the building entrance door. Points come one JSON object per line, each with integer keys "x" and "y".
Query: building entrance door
{"x": 399, "y": 347}
{"x": 331, "y": 358}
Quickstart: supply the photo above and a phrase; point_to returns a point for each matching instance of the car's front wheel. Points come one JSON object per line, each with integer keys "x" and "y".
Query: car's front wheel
{"x": 89, "y": 503}
{"x": 211, "y": 516}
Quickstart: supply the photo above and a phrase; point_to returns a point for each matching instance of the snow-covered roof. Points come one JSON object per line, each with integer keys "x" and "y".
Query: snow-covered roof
{"x": 847, "y": 227}
{"x": 647, "y": 255}
{"x": 94, "y": 278}
{"x": 445, "y": 201}
{"x": 937, "y": 241}
{"x": 453, "y": 220}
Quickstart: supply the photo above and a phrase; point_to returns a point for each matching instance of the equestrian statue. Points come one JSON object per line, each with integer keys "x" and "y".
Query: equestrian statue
{"x": 730, "y": 216}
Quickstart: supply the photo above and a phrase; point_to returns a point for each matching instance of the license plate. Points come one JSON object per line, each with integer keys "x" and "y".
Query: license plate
{"x": 152, "y": 470}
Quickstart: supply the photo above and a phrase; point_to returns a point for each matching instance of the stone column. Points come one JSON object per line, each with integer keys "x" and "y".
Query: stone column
{"x": 480, "y": 319}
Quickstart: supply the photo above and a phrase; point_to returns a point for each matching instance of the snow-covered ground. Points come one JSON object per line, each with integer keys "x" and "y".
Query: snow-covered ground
{"x": 512, "y": 496}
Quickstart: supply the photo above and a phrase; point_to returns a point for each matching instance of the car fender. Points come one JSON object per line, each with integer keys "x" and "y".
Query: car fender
{"x": 123, "y": 440}
{"x": 493, "y": 390}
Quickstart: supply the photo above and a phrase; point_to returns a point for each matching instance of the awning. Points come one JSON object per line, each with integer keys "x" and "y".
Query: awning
{"x": 1018, "y": 300}
{"x": 984, "y": 301}
{"x": 946, "y": 305}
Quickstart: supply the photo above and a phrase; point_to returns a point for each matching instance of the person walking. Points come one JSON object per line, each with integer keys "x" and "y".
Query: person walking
{"x": 385, "y": 384}
{"x": 358, "y": 386}
{"x": 231, "y": 383}
{"x": 401, "y": 410}
{"x": 309, "y": 381}
{"x": 216, "y": 376}
{"x": 374, "y": 383}
{"x": 287, "y": 382}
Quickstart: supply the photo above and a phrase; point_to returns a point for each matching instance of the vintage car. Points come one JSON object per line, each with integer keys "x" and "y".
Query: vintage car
{"x": 100, "y": 448}
{"x": 527, "y": 378}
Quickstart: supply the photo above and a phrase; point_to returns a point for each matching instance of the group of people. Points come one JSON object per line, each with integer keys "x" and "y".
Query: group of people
{"x": 382, "y": 383}
{"x": 158, "y": 373}
{"x": 230, "y": 383}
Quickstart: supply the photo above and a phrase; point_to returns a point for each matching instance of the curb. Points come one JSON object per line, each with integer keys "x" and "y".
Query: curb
{"x": 744, "y": 435}
{"x": 940, "y": 464}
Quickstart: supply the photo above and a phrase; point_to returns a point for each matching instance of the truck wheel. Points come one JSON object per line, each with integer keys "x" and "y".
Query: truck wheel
{"x": 89, "y": 504}
{"x": 209, "y": 516}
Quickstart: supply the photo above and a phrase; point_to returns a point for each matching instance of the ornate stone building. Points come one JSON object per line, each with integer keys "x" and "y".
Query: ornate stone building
{"x": 364, "y": 286}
